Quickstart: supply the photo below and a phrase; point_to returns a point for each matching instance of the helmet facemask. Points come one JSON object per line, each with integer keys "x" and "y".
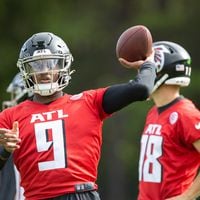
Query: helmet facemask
{"x": 54, "y": 65}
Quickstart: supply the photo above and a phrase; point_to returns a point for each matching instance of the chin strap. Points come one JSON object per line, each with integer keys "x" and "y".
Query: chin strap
{"x": 160, "y": 82}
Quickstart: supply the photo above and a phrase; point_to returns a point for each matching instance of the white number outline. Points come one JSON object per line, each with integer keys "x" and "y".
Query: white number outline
{"x": 58, "y": 144}
{"x": 151, "y": 151}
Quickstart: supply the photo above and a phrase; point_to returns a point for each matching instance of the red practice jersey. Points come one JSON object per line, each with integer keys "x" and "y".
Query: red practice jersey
{"x": 168, "y": 161}
{"x": 60, "y": 142}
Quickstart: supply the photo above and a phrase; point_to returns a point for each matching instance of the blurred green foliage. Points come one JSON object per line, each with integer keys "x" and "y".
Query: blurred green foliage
{"x": 91, "y": 30}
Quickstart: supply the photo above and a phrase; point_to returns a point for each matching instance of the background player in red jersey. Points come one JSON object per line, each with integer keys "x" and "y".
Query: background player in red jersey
{"x": 9, "y": 177}
{"x": 61, "y": 134}
{"x": 170, "y": 143}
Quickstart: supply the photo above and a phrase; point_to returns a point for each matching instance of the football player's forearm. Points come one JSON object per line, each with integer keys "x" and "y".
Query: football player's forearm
{"x": 121, "y": 95}
{"x": 146, "y": 75}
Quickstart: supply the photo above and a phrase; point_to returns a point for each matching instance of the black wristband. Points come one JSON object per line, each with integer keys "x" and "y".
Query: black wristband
{"x": 4, "y": 154}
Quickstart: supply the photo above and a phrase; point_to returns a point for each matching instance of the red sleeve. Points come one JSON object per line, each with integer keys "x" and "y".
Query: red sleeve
{"x": 5, "y": 118}
{"x": 190, "y": 123}
{"x": 94, "y": 100}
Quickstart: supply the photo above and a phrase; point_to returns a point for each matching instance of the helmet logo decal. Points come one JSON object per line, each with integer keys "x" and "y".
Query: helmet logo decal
{"x": 159, "y": 57}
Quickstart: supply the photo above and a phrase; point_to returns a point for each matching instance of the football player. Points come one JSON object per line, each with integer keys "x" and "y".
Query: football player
{"x": 9, "y": 177}
{"x": 170, "y": 143}
{"x": 61, "y": 134}
{"x": 17, "y": 92}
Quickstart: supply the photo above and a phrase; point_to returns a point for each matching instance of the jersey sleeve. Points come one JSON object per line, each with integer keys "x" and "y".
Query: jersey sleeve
{"x": 190, "y": 124}
{"x": 94, "y": 99}
{"x": 5, "y": 118}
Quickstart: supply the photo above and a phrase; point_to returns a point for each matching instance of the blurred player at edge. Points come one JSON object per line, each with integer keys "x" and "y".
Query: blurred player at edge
{"x": 61, "y": 134}
{"x": 9, "y": 176}
{"x": 170, "y": 143}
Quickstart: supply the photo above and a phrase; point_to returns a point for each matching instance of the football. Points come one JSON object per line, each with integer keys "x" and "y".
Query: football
{"x": 134, "y": 44}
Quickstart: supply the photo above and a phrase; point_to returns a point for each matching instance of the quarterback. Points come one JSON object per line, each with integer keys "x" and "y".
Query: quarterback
{"x": 60, "y": 135}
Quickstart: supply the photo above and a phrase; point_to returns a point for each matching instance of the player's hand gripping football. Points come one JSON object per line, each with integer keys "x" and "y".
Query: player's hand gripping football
{"x": 9, "y": 139}
{"x": 136, "y": 64}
